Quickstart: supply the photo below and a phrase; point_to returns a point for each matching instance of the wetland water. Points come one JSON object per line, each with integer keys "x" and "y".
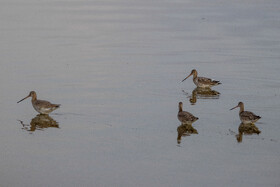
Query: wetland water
{"x": 116, "y": 69}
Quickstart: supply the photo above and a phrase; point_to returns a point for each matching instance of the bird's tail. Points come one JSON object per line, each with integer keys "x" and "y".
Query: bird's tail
{"x": 56, "y": 105}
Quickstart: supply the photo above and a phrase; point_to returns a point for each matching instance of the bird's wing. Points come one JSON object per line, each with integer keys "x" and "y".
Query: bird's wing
{"x": 205, "y": 80}
{"x": 186, "y": 116}
{"x": 248, "y": 115}
{"x": 46, "y": 104}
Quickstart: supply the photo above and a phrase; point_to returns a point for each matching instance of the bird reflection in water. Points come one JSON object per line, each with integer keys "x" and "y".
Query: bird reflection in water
{"x": 202, "y": 93}
{"x": 40, "y": 122}
{"x": 185, "y": 130}
{"x": 247, "y": 129}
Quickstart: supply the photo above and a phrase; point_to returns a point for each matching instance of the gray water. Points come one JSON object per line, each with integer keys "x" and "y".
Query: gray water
{"x": 116, "y": 68}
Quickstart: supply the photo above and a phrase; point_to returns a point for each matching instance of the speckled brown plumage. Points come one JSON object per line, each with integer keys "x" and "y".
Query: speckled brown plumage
{"x": 41, "y": 106}
{"x": 202, "y": 82}
{"x": 185, "y": 117}
{"x": 246, "y": 116}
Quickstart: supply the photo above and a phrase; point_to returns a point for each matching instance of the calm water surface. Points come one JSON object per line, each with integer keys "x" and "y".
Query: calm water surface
{"x": 116, "y": 67}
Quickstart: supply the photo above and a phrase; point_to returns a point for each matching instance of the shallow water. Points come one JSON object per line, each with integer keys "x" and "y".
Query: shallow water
{"x": 116, "y": 67}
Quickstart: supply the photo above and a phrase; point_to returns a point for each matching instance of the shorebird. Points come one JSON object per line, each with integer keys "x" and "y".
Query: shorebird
{"x": 202, "y": 82}
{"x": 41, "y": 106}
{"x": 185, "y": 117}
{"x": 246, "y": 116}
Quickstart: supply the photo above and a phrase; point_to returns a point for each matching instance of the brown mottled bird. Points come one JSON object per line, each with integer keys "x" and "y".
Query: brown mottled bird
{"x": 185, "y": 117}
{"x": 41, "y": 106}
{"x": 246, "y": 116}
{"x": 202, "y": 82}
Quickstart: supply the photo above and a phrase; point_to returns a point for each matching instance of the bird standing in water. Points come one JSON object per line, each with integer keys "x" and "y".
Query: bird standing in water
{"x": 246, "y": 117}
{"x": 185, "y": 117}
{"x": 202, "y": 82}
{"x": 41, "y": 106}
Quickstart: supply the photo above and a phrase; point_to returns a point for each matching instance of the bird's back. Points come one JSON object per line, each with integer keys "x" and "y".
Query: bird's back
{"x": 44, "y": 107}
{"x": 186, "y": 117}
{"x": 206, "y": 82}
{"x": 247, "y": 116}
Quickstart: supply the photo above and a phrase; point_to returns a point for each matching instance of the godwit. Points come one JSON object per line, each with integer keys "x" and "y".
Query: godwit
{"x": 41, "y": 106}
{"x": 185, "y": 117}
{"x": 246, "y": 116}
{"x": 202, "y": 82}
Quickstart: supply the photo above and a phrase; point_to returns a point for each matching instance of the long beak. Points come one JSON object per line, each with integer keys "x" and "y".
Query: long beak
{"x": 186, "y": 77}
{"x": 24, "y": 98}
{"x": 234, "y": 107}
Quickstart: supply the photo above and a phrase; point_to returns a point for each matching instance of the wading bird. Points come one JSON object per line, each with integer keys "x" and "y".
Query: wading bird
{"x": 202, "y": 82}
{"x": 185, "y": 117}
{"x": 246, "y": 116}
{"x": 41, "y": 106}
